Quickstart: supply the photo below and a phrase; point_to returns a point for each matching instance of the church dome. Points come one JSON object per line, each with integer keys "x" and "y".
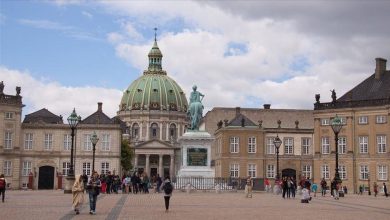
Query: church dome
{"x": 154, "y": 90}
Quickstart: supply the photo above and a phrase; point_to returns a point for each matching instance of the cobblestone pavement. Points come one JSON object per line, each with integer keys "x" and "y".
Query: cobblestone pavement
{"x": 230, "y": 205}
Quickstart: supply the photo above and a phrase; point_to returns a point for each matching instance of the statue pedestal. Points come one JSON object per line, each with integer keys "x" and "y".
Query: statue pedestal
{"x": 69, "y": 181}
{"x": 195, "y": 153}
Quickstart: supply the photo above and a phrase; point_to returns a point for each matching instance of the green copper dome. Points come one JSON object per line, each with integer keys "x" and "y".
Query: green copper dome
{"x": 154, "y": 90}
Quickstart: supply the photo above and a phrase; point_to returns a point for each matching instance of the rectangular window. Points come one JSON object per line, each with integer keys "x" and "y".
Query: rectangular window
{"x": 363, "y": 120}
{"x": 67, "y": 142}
{"x": 252, "y": 170}
{"x": 48, "y": 141}
{"x": 234, "y": 170}
{"x": 106, "y": 142}
{"x": 382, "y": 172}
{"x": 342, "y": 145}
{"x": 105, "y": 167}
{"x": 87, "y": 142}
{"x": 325, "y": 121}
{"x": 252, "y": 145}
{"x": 65, "y": 168}
{"x": 87, "y": 168}
{"x": 325, "y": 146}
{"x": 28, "y": 141}
{"x": 8, "y": 140}
{"x": 364, "y": 172}
{"x": 7, "y": 169}
{"x": 363, "y": 144}
{"x": 270, "y": 145}
{"x": 343, "y": 120}
{"x": 26, "y": 168}
{"x": 9, "y": 115}
{"x": 306, "y": 142}
{"x": 342, "y": 172}
{"x": 325, "y": 171}
{"x": 306, "y": 171}
{"x": 271, "y": 171}
{"x": 234, "y": 144}
{"x": 288, "y": 145}
{"x": 381, "y": 143}
{"x": 381, "y": 119}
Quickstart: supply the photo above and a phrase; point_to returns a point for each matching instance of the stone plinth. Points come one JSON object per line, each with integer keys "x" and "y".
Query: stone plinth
{"x": 69, "y": 181}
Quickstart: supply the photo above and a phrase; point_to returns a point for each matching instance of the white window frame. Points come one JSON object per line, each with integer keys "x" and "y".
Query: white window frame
{"x": 325, "y": 121}
{"x": 67, "y": 142}
{"x": 7, "y": 168}
{"x": 288, "y": 143}
{"x": 363, "y": 120}
{"x": 363, "y": 144}
{"x": 381, "y": 119}
{"x": 271, "y": 171}
{"x": 87, "y": 168}
{"x": 106, "y": 142}
{"x": 325, "y": 171}
{"x": 48, "y": 143}
{"x": 342, "y": 145}
{"x": 65, "y": 168}
{"x": 343, "y": 172}
{"x": 364, "y": 171}
{"x": 234, "y": 144}
{"x": 105, "y": 167}
{"x": 8, "y": 115}
{"x": 28, "y": 141}
{"x": 381, "y": 144}
{"x": 252, "y": 145}
{"x": 252, "y": 170}
{"x": 306, "y": 171}
{"x": 270, "y": 145}
{"x": 26, "y": 167}
{"x": 382, "y": 172}
{"x": 234, "y": 169}
{"x": 8, "y": 140}
{"x": 87, "y": 142}
{"x": 343, "y": 120}
{"x": 325, "y": 145}
{"x": 306, "y": 143}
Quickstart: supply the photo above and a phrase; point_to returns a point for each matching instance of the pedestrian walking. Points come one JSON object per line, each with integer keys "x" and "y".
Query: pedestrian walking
{"x": 323, "y": 186}
{"x": 248, "y": 187}
{"x": 3, "y": 185}
{"x": 385, "y": 189}
{"x": 267, "y": 185}
{"x": 167, "y": 188}
{"x": 314, "y": 189}
{"x": 78, "y": 194}
{"x": 375, "y": 189}
{"x": 93, "y": 188}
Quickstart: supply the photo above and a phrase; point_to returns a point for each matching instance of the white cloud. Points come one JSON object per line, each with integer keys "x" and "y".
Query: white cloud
{"x": 115, "y": 37}
{"x": 87, "y": 14}
{"x": 57, "y": 98}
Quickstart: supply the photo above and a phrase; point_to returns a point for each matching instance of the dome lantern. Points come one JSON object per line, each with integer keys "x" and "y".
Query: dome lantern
{"x": 155, "y": 58}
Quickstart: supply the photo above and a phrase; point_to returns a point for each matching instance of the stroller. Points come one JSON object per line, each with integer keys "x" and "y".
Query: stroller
{"x": 305, "y": 196}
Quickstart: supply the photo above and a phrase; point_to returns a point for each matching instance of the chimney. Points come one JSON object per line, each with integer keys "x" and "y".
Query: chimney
{"x": 267, "y": 106}
{"x": 100, "y": 106}
{"x": 380, "y": 67}
{"x": 237, "y": 111}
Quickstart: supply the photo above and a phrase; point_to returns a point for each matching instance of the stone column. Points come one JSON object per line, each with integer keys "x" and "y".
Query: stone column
{"x": 161, "y": 130}
{"x": 172, "y": 166}
{"x": 141, "y": 126}
{"x": 147, "y": 131}
{"x": 147, "y": 168}
{"x": 160, "y": 165}
{"x": 136, "y": 161}
{"x": 167, "y": 137}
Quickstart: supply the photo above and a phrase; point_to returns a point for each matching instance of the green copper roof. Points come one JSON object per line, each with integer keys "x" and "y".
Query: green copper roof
{"x": 154, "y": 90}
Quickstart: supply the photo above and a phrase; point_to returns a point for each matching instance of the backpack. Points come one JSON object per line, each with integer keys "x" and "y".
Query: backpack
{"x": 2, "y": 184}
{"x": 168, "y": 188}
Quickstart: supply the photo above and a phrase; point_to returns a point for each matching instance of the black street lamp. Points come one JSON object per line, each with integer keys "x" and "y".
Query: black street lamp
{"x": 277, "y": 143}
{"x": 369, "y": 185}
{"x": 336, "y": 127}
{"x": 73, "y": 121}
{"x": 94, "y": 140}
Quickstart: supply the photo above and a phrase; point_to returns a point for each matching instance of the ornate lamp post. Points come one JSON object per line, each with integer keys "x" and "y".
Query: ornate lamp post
{"x": 277, "y": 143}
{"x": 336, "y": 127}
{"x": 94, "y": 140}
{"x": 369, "y": 185}
{"x": 73, "y": 121}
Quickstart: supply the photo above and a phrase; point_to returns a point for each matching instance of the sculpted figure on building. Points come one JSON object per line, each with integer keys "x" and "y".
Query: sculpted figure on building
{"x": 195, "y": 110}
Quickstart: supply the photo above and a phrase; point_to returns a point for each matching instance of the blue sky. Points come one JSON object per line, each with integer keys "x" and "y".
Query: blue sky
{"x": 69, "y": 54}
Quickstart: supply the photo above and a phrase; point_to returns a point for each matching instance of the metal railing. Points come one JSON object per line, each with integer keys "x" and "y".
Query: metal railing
{"x": 214, "y": 183}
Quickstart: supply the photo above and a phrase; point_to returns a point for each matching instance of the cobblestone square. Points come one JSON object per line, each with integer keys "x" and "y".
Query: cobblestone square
{"x": 200, "y": 205}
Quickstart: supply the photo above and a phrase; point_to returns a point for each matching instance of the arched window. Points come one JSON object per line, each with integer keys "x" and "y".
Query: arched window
{"x": 135, "y": 130}
{"x": 154, "y": 130}
{"x": 172, "y": 131}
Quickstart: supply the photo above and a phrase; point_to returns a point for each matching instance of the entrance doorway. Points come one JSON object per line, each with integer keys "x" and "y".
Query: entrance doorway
{"x": 46, "y": 177}
{"x": 153, "y": 171}
{"x": 289, "y": 173}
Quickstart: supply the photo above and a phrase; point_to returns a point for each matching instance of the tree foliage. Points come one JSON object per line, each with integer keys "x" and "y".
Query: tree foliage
{"x": 126, "y": 155}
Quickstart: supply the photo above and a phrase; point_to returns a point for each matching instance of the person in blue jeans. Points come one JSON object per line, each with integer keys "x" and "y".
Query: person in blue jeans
{"x": 93, "y": 187}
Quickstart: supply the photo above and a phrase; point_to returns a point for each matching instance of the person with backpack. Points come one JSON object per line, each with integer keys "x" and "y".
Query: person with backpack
{"x": 2, "y": 187}
{"x": 93, "y": 188}
{"x": 167, "y": 187}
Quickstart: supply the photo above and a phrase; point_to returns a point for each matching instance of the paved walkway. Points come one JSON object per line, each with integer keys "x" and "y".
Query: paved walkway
{"x": 57, "y": 205}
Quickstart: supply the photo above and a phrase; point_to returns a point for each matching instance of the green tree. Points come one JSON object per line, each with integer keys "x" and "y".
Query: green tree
{"x": 126, "y": 155}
